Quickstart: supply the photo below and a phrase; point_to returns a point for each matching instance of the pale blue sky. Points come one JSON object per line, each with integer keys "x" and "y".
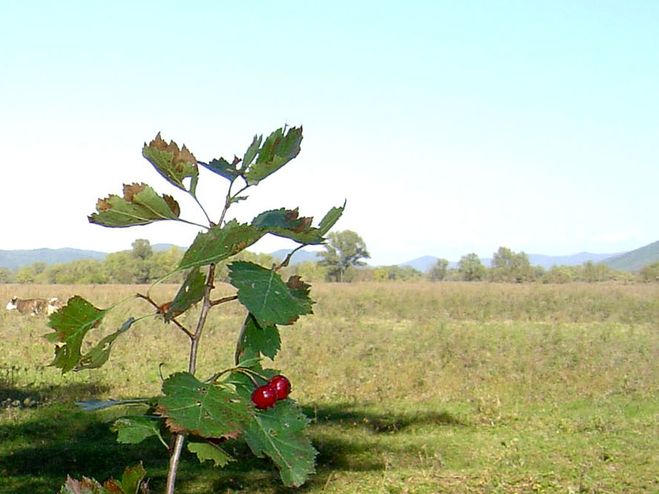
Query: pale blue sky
{"x": 450, "y": 127}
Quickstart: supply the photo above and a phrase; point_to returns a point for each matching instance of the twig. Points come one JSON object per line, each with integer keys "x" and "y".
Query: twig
{"x": 173, "y": 319}
{"x": 223, "y": 300}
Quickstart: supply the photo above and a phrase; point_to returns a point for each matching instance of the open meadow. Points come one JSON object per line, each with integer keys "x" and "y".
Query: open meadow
{"x": 411, "y": 388}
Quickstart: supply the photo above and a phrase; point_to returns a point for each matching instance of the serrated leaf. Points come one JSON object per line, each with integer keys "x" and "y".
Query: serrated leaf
{"x": 283, "y": 219}
{"x": 140, "y": 205}
{"x": 191, "y": 292}
{"x": 100, "y": 353}
{"x": 84, "y": 486}
{"x": 220, "y": 243}
{"x": 207, "y": 451}
{"x": 207, "y": 410}
{"x": 280, "y": 433}
{"x": 131, "y": 483}
{"x": 223, "y": 168}
{"x": 286, "y": 223}
{"x": 259, "y": 341}
{"x": 135, "y": 429}
{"x": 174, "y": 164}
{"x": 330, "y": 219}
{"x": 252, "y": 151}
{"x": 71, "y": 323}
{"x": 279, "y": 148}
{"x": 131, "y": 480}
{"x": 265, "y": 295}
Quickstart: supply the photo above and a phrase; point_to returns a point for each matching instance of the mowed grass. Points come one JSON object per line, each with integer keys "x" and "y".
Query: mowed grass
{"x": 411, "y": 388}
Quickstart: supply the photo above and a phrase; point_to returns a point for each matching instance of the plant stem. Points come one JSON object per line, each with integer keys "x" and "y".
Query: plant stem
{"x": 173, "y": 463}
{"x": 192, "y": 367}
{"x": 241, "y": 342}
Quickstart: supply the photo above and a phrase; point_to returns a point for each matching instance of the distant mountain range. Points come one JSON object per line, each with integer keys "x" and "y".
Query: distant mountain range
{"x": 627, "y": 261}
{"x": 635, "y": 259}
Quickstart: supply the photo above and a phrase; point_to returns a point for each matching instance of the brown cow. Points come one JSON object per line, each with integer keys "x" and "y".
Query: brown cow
{"x": 32, "y": 306}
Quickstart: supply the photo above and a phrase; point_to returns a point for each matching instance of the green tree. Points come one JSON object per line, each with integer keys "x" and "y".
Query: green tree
{"x": 30, "y": 274}
{"x": 650, "y": 272}
{"x": 396, "y": 273}
{"x": 510, "y": 266}
{"x": 471, "y": 268}
{"x": 344, "y": 250}
{"x": 141, "y": 249}
{"x": 439, "y": 270}
{"x": 6, "y": 275}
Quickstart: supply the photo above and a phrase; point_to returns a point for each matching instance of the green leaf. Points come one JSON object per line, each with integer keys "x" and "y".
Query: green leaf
{"x": 140, "y": 205}
{"x": 266, "y": 296}
{"x": 279, "y": 433}
{"x": 259, "y": 341}
{"x": 71, "y": 323}
{"x": 100, "y": 353}
{"x": 279, "y": 148}
{"x": 206, "y": 410}
{"x": 208, "y": 451}
{"x": 84, "y": 486}
{"x": 220, "y": 243}
{"x": 223, "y": 168}
{"x": 191, "y": 292}
{"x": 131, "y": 480}
{"x": 135, "y": 429}
{"x": 330, "y": 219}
{"x": 174, "y": 164}
{"x": 286, "y": 223}
{"x": 131, "y": 483}
{"x": 252, "y": 151}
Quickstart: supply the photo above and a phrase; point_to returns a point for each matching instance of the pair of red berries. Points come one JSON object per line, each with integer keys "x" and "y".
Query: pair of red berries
{"x": 277, "y": 388}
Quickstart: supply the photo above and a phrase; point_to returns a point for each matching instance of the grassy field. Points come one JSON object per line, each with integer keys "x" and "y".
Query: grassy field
{"x": 411, "y": 388}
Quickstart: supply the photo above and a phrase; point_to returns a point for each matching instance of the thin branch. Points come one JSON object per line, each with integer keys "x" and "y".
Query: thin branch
{"x": 158, "y": 310}
{"x": 173, "y": 462}
{"x": 175, "y": 457}
{"x": 285, "y": 262}
{"x": 188, "y": 222}
{"x": 203, "y": 210}
{"x": 223, "y": 300}
{"x": 229, "y": 200}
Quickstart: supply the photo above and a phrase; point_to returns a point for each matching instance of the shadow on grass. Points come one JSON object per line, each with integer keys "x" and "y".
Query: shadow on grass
{"x": 38, "y": 452}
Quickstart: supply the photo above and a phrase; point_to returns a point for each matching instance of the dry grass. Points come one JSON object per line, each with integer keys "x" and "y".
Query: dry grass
{"x": 412, "y": 388}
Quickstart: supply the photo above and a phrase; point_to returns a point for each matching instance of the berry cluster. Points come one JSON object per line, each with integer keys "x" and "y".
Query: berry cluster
{"x": 277, "y": 388}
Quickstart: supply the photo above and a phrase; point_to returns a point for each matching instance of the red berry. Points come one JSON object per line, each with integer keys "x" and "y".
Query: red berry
{"x": 264, "y": 397}
{"x": 281, "y": 385}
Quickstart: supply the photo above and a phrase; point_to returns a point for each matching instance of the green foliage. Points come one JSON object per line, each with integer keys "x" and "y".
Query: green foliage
{"x": 439, "y": 271}
{"x": 204, "y": 409}
{"x": 266, "y": 296}
{"x": 135, "y": 429}
{"x": 650, "y": 272}
{"x": 132, "y": 482}
{"x": 471, "y": 268}
{"x": 140, "y": 205}
{"x": 344, "y": 249}
{"x": 71, "y": 323}
{"x": 220, "y": 243}
{"x": 396, "y": 273}
{"x": 279, "y": 433}
{"x": 259, "y": 340}
{"x": 216, "y": 409}
{"x": 510, "y": 266}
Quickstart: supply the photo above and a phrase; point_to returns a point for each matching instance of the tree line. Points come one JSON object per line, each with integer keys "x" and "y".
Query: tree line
{"x": 343, "y": 260}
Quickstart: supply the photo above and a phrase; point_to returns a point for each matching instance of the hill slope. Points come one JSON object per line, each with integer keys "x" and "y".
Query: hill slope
{"x": 636, "y": 259}
{"x": 13, "y": 259}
